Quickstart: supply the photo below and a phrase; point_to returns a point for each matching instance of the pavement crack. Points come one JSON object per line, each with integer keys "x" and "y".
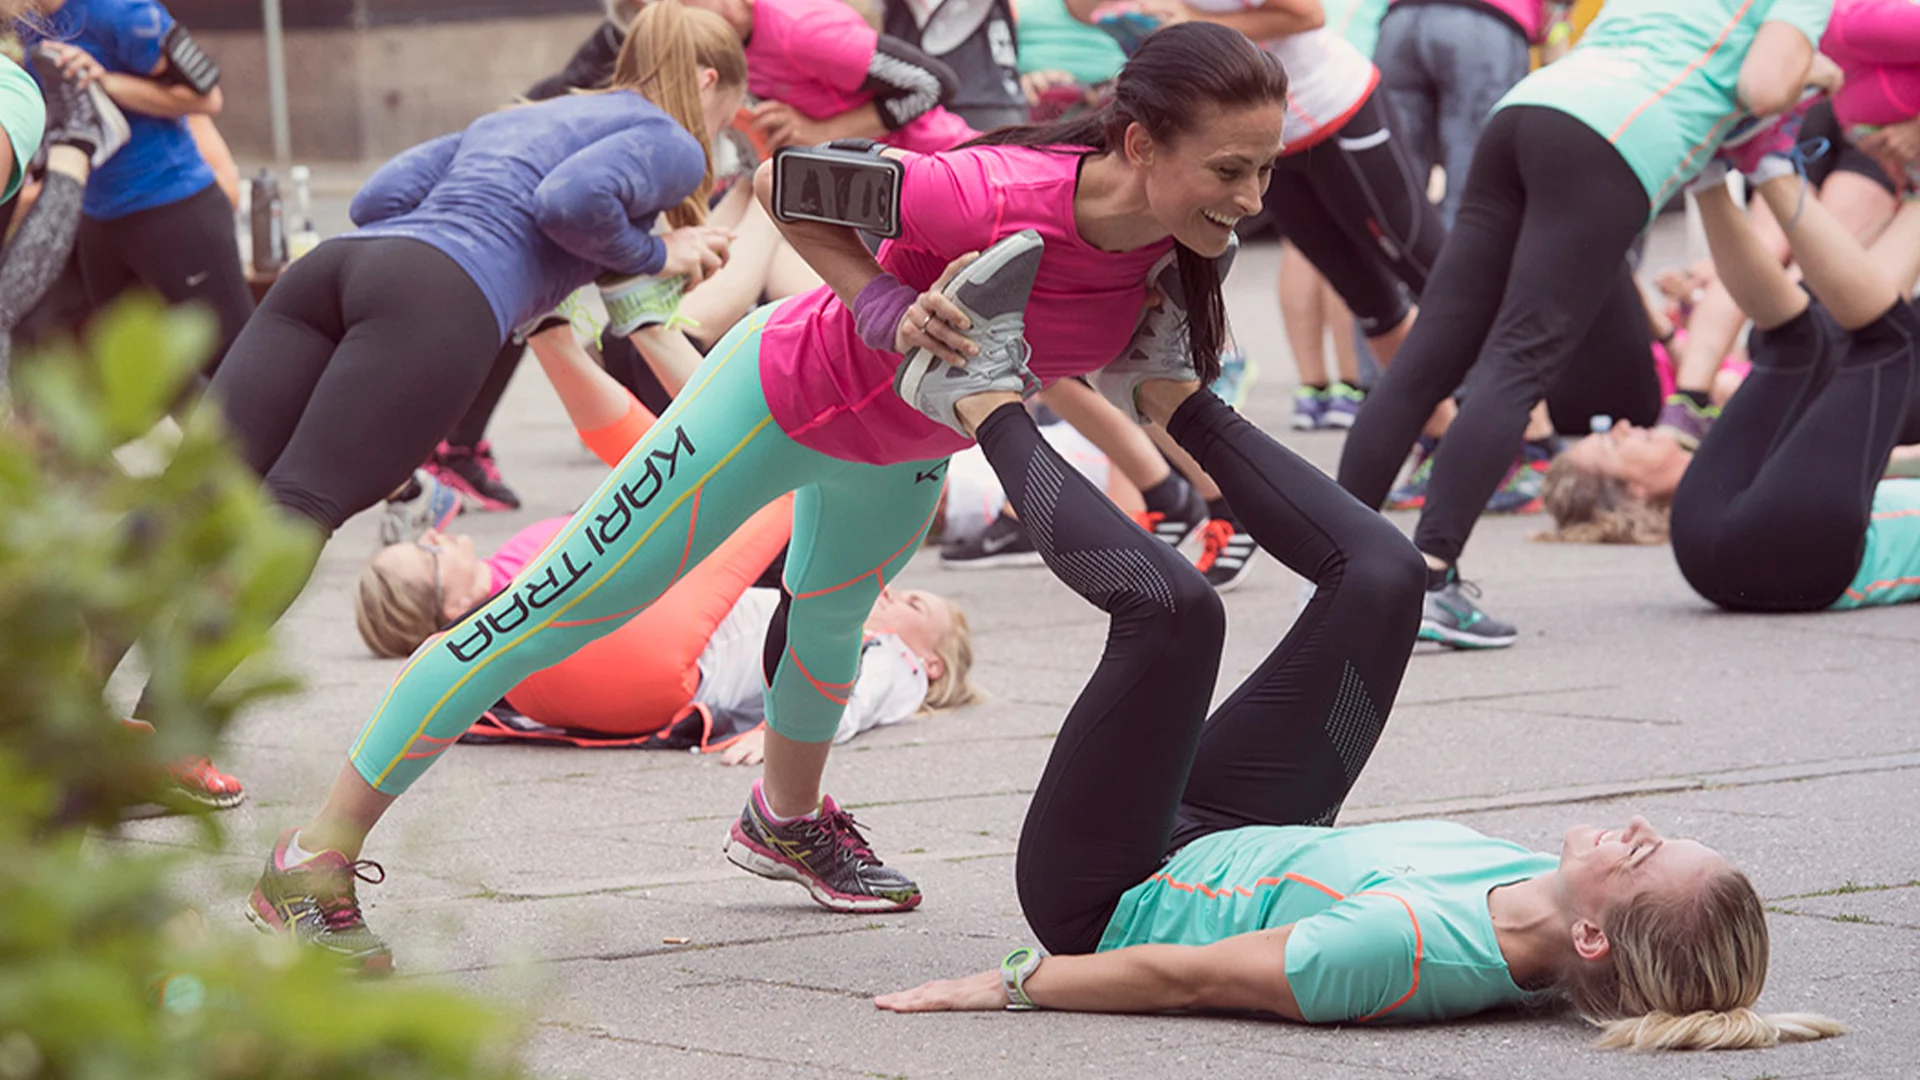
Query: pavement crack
{"x": 1503, "y": 696}
{"x": 618, "y": 956}
{"x": 600, "y": 1033}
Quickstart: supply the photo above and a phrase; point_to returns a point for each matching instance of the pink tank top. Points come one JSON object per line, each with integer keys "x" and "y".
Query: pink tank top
{"x": 1877, "y": 43}
{"x": 827, "y": 390}
{"x": 814, "y": 55}
{"x": 524, "y": 547}
{"x": 1529, "y": 15}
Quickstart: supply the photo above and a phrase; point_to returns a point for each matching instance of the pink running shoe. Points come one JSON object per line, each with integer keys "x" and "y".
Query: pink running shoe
{"x": 471, "y": 471}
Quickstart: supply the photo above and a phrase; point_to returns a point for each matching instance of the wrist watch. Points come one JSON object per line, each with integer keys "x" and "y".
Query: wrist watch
{"x": 1020, "y": 964}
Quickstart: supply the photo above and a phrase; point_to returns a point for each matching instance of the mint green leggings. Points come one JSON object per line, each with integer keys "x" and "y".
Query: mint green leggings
{"x": 714, "y": 458}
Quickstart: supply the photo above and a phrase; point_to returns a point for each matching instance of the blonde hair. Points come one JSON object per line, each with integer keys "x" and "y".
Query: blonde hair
{"x": 953, "y": 688}
{"x": 666, "y": 47}
{"x": 1685, "y": 971}
{"x": 394, "y": 612}
{"x": 1591, "y": 508}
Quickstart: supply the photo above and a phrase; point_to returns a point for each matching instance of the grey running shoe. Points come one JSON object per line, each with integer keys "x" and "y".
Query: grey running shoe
{"x": 76, "y": 115}
{"x": 314, "y": 903}
{"x": 825, "y": 853}
{"x": 1451, "y": 618}
{"x": 992, "y": 291}
{"x": 1004, "y": 542}
{"x": 1159, "y": 349}
{"x": 433, "y": 505}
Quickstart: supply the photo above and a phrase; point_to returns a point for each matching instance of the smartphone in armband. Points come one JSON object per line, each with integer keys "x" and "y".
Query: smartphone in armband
{"x": 838, "y": 187}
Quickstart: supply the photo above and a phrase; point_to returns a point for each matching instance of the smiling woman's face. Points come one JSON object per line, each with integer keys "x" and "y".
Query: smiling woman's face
{"x": 1209, "y": 178}
{"x": 1644, "y": 459}
{"x": 1601, "y": 868}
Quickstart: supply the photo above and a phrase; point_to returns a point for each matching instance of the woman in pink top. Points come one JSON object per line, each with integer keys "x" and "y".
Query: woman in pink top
{"x": 799, "y": 397}
{"x": 823, "y": 74}
{"x": 1877, "y": 44}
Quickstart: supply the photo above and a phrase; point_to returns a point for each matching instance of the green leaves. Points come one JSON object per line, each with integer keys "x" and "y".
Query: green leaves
{"x": 169, "y": 544}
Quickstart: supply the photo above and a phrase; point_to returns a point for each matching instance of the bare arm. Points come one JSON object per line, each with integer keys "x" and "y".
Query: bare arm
{"x": 669, "y": 354}
{"x": 158, "y": 99}
{"x": 1775, "y": 70}
{"x": 1273, "y": 19}
{"x": 1245, "y": 972}
{"x": 835, "y": 252}
{"x": 592, "y": 398}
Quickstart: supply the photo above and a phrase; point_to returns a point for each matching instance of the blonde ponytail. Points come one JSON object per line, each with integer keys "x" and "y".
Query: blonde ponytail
{"x": 666, "y": 47}
{"x": 1734, "y": 1029}
{"x": 1685, "y": 972}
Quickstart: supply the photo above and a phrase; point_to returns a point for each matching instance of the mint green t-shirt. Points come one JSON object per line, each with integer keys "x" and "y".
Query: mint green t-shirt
{"x": 23, "y": 116}
{"x": 1389, "y": 921}
{"x": 1657, "y": 78}
{"x": 1890, "y": 569}
{"x": 1356, "y": 20}
{"x": 1050, "y": 39}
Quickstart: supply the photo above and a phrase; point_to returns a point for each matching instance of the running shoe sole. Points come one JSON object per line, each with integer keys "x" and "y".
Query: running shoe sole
{"x": 265, "y": 919}
{"x": 995, "y": 562}
{"x": 1454, "y": 639}
{"x": 742, "y": 852}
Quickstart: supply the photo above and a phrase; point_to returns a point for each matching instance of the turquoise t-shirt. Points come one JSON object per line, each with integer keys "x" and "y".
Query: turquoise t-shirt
{"x": 1050, "y": 39}
{"x": 1356, "y": 20}
{"x": 23, "y": 116}
{"x": 1389, "y": 921}
{"x": 1890, "y": 569}
{"x": 1657, "y": 78}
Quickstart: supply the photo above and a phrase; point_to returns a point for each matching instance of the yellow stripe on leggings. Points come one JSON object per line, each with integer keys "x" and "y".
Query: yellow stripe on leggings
{"x": 687, "y": 398}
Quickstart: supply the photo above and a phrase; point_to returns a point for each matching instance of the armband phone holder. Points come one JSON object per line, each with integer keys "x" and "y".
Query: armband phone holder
{"x": 855, "y": 188}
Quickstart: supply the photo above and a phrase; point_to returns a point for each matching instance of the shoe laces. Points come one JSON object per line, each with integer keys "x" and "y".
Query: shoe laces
{"x": 339, "y": 907}
{"x": 838, "y": 828}
{"x": 1149, "y": 519}
{"x": 1004, "y": 342}
{"x": 1214, "y": 539}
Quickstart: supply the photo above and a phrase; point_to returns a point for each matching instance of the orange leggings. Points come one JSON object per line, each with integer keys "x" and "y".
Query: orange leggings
{"x": 640, "y": 677}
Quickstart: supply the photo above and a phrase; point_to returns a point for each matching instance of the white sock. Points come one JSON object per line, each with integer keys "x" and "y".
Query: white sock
{"x": 295, "y": 854}
{"x": 766, "y": 808}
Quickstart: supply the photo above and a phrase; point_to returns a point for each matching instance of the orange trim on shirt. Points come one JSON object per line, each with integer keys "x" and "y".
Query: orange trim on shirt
{"x": 1725, "y": 32}
{"x": 1408, "y": 996}
{"x": 1889, "y": 515}
{"x": 1878, "y": 586}
{"x": 1242, "y": 890}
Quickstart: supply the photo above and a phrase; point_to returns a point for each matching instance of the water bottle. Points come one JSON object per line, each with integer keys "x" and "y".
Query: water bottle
{"x": 303, "y": 237}
{"x": 269, "y": 227}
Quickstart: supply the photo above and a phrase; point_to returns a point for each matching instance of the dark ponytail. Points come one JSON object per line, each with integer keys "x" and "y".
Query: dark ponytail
{"x": 1168, "y": 88}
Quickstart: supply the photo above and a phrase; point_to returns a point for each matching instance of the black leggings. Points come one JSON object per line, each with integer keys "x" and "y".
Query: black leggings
{"x": 183, "y": 251}
{"x": 1549, "y": 209}
{"x": 1772, "y": 514}
{"x": 359, "y": 361}
{"x": 1354, "y": 208}
{"x": 471, "y": 429}
{"x": 1139, "y": 768}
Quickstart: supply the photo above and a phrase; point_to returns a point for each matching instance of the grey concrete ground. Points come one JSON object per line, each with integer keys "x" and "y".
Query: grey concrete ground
{"x": 555, "y": 880}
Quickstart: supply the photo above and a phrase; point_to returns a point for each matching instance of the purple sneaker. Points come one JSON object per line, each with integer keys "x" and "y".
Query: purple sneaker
{"x": 1688, "y": 422}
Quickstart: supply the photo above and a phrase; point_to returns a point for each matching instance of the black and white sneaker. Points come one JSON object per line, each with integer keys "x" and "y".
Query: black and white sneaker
{"x": 824, "y": 853}
{"x": 1178, "y": 528}
{"x": 1451, "y": 618}
{"x": 1226, "y": 556}
{"x": 1004, "y": 543}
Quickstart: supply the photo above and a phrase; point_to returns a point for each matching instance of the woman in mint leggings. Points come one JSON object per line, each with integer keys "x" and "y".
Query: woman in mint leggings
{"x": 800, "y": 397}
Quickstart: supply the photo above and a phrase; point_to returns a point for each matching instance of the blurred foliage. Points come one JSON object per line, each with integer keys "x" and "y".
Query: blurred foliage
{"x": 103, "y": 975}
